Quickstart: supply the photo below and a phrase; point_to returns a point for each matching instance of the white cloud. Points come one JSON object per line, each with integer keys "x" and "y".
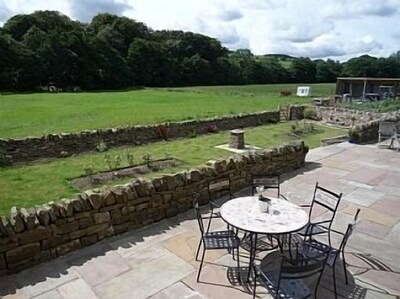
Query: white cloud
{"x": 318, "y": 29}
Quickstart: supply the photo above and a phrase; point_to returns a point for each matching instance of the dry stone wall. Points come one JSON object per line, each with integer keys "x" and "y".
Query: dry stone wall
{"x": 34, "y": 235}
{"x": 67, "y": 144}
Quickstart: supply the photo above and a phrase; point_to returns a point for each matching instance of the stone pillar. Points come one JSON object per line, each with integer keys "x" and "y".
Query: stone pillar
{"x": 237, "y": 139}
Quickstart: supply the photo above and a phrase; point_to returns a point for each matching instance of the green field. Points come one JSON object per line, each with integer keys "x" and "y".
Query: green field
{"x": 42, "y": 113}
{"x": 40, "y": 182}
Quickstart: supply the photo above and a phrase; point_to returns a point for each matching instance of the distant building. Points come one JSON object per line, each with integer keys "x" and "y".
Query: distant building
{"x": 364, "y": 88}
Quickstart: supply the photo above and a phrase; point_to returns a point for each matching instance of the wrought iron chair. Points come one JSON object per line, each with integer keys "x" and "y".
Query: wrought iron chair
{"x": 268, "y": 182}
{"x": 286, "y": 282}
{"x": 387, "y": 130}
{"x": 329, "y": 201}
{"x": 310, "y": 247}
{"x": 215, "y": 187}
{"x": 225, "y": 239}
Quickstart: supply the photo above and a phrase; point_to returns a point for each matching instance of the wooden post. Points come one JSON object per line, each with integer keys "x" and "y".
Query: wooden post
{"x": 364, "y": 89}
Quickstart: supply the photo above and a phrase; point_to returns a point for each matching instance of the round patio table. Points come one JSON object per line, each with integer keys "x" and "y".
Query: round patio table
{"x": 244, "y": 213}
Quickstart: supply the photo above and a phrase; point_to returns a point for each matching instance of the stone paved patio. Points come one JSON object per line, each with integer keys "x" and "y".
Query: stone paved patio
{"x": 158, "y": 261}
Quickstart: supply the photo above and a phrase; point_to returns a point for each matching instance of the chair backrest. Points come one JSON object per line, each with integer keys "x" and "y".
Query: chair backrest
{"x": 268, "y": 182}
{"x": 350, "y": 228}
{"x": 387, "y": 128}
{"x": 300, "y": 266}
{"x": 327, "y": 199}
{"x": 198, "y": 216}
{"x": 220, "y": 185}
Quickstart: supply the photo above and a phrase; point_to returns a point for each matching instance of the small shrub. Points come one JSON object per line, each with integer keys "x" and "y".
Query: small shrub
{"x": 353, "y": 135}
{"x": 101, "y": 146}
{"x": 89, "y": 171}
{"x": 192, "y": 134}
{"x": 108, "y": 161}
{"x": 163, "y": 131}
{"x": 147, "y": 159}
{"x": 63, "y": 154}
{"x": 212, "y": 129}
{"x": 310, "y": 113}
{"x": 117, "y": 160}
{"x": 129, "y": 158}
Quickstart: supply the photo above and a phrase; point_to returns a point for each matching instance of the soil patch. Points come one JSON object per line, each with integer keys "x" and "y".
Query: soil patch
{"x": 130, "y": 172}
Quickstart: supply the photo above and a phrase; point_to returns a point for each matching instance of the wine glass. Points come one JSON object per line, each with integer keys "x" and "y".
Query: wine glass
{"x": 259, "y": 190}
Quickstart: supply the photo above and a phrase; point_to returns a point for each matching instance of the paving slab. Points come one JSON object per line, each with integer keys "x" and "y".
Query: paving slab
{"x": 145, "y": 280}
{"x": 371, "y": 215}
{"x": 214, "y": 284}
{"x": 178, "y": 290}
{"x": 393, "y": 236}
{"x": 77, "y": 289}
{"x": 102, "y": 268}
{"x": 45, "y": 277}
{"x": 363, "y": 197}
{"x": 372, "y": 228}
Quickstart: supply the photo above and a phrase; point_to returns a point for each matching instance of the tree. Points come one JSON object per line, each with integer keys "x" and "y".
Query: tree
{"x": 303, "y": 70}
{"x": 327, "y": 71}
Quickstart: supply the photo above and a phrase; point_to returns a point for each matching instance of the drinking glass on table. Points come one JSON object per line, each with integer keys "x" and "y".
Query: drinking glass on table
{"x": 259, "y": 190}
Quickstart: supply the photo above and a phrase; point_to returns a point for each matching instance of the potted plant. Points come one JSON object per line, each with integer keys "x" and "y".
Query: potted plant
{"x": 354, "y": 136}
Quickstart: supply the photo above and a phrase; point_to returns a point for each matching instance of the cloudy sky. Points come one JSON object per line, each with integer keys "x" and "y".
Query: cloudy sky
{"x": 337, "y": 29}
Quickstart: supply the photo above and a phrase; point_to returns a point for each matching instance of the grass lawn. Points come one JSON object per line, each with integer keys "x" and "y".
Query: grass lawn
{"x": 42, "y": 113}
{"x": 40, "y": 182}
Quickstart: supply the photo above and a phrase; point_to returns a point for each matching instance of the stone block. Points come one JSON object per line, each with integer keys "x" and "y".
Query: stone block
{"x": 22, "y": 252}
{"x": 34, "y": 235}
{"x": 16, "y": 220}
{"x": 96, "y": 228}
{"x": 156, "y": 200}
{"x": 89, "y": 240}
{"x": 142, "y": 207}
{"x": 29, "y": 217}
{"x": 171, "y": 212}
{"x": 8, "y": 246}
{"x": 43, "y": 215}
{"x": 56, "y": 241}
{"x": 69, "y": 209}
{"x": 85, "y": 223}
{"x": 2, "y": 262}
{"x": 66, "y": 228}
{"x": 120, "y": 228}
{"x": 82, "y": 215}
{"x": 110, "y": 208}
{"x": 68, "y": 247}
{"x": 99, "y": 218}
{"x": 95, "y": 199}
{"x": 108, "y": 232}
{"x": 109, "y": 198}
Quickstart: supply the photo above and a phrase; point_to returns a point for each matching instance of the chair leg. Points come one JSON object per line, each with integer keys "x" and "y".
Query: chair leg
{"x": 317, "y": 285}
{"x": 254, "y": 284}
{"x": 209, "y": 220}
{"x": 334, "y": 279}
{"x": 344, "y": 268}
{"x": 198, "y": 250}
{"x": 238, "y": 263}
{"x": 201, "y": 264}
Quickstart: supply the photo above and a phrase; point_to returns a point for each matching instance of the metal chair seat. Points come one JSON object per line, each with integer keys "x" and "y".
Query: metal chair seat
{"x": 221, "y": 240}
{"x": 289, "y": 289}
{"x": 312, "y": 229}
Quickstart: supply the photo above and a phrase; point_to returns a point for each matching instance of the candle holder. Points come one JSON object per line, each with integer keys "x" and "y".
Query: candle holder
{"x": 264, "y": 203}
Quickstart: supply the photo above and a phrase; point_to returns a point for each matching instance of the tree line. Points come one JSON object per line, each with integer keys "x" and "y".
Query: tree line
{"x": 47, "y": 47}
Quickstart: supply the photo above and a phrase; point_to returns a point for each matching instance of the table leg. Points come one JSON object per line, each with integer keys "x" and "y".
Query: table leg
{"x": 253, "y": 245}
